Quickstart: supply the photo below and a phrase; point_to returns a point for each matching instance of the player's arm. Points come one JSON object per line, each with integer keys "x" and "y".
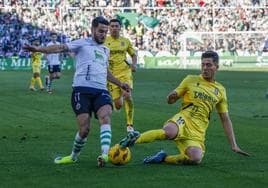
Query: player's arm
{"x": 134, "y": 62}
{"x": 229, "y": 132}
{"x": 115, "y": 81}
{"x": 133, "y": 54}
{"x": 47, "y": 49}
{"x": 178, "y": 92}
{"x": 61, "y": 57}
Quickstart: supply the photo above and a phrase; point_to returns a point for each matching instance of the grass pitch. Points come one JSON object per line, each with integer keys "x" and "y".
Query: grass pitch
{"x": 35, "y": 127}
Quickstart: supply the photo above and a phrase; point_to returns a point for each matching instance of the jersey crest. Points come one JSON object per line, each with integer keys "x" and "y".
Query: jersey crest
{"x": 98, "y": 55}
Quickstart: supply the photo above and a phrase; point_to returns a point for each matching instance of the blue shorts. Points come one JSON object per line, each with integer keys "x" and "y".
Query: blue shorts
{"x": 53, "y": 68}
{"x": 88, "y": 100}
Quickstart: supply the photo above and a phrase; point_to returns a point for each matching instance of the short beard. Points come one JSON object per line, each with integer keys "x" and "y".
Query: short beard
{"x": 100, "y": 42}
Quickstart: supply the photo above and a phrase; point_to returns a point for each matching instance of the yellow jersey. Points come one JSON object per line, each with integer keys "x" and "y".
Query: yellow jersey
{"x": 200, "y": 97}
{"x": 36, "y": 58}
{"x": 118, "y": 55}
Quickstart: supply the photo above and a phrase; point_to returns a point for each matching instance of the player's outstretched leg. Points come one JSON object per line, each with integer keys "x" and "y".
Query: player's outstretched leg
{"x": 130, "y": 139}
{"x": 78, "y": 144}
{"x": 105, "y": 140}
{"x": 64, "y": 160}
{"x": 157, "y": 158}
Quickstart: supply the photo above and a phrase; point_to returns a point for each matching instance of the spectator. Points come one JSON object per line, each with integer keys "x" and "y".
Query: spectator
{"x": 27, "y": 20}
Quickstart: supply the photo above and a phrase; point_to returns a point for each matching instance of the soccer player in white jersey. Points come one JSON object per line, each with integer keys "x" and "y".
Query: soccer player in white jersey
{"x": 89, "y": 88}
{"x": 53, "y": 63}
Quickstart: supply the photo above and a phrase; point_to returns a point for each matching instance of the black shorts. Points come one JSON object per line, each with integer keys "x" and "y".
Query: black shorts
{"x": 53, "y": 68}
{"x": 88, "y": 100}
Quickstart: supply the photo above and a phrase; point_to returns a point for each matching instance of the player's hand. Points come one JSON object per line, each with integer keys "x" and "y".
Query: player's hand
{"x": 172, "y": 97}
{"x": 125, "y": 87}
{"x": 239, "y": 151}
{"x": 133, "y": 67}
{"x": 30, "y": 48}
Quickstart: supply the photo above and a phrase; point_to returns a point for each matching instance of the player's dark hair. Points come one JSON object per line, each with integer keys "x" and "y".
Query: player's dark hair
{"x": 99, "y": 20}
{"x": 211, "y": 54}
{"x": 115, "y": 20}
{"x": 53, "y": 33}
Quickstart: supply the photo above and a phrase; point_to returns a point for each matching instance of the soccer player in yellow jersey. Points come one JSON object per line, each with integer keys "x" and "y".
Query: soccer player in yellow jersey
{"x": 118, "y": 65}
{"x": 36, "y": 67}
{"x": 200, "y": 95}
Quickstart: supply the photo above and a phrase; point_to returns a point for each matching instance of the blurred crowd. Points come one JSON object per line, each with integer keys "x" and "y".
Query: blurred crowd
{"x": 134, "y": 3}
{"x": 231, "y": 27}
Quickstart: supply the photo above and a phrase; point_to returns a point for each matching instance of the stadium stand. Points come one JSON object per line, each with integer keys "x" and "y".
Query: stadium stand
{"x": 233, "y": 27}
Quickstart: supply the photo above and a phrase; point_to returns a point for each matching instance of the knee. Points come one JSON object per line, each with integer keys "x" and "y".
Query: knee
{"x": 170, "y": 134}
{"x": 171, "y": 130}
{"x": 195, "y": 155}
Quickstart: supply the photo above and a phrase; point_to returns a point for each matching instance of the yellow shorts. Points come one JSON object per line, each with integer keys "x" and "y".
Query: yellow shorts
{"x": 36, "y": 68}
{"x": 186, "y": 136}
{"x": 116, "y": 91}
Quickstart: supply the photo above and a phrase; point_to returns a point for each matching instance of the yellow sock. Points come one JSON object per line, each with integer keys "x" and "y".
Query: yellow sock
{"x": 150, "y": 136}
{"x": 32, "y": 82}
{"x": 39, "y": 81}
{"x": 129, "y": 108}
{"x": 176, "y": 159}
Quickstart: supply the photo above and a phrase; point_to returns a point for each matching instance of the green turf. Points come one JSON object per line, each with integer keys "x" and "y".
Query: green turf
{"x": 35, "y": 127}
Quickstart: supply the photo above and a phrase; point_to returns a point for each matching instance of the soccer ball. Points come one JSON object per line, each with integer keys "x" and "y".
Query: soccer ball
{"x": 119, "y": 156}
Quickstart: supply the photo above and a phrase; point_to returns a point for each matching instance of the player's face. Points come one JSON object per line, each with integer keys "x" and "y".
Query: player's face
{"x": 99, "y": 33}
{"x": 208, "y": 69}
{"x": 115, "y": 29}
{"x": 53, "y": 38}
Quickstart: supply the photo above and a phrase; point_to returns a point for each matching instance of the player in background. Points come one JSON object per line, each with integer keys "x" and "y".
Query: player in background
{"x": 200, "y": 95}
{"x": 264, "y": 54}
{"x": 90, "y": 93}
{"x": 118, "y": 65}
{"x": 36, "y": 67}
{"x": 53, "y": 63}
{"x": 265, "y": 45}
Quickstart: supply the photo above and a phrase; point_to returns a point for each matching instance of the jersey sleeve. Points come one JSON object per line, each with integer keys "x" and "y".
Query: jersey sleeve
{"x": 222, "y": 106}
{"x": 73, "y": 46}
{"x": 182, "y": 88}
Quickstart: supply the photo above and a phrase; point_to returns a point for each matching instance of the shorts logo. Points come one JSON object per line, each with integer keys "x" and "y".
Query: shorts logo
{"x": 180, "y": 121}
{"x": 78, "y": 106}
{"x": 216, "y": 91}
